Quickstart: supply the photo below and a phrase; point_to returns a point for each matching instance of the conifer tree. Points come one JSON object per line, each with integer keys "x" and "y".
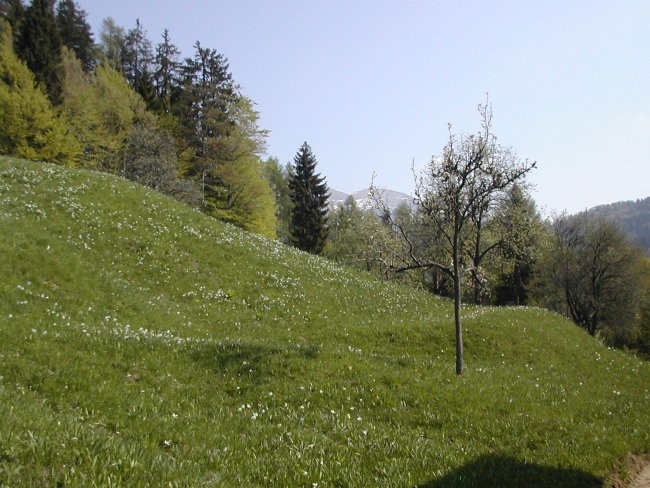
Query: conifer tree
{"x": 203, "y": 107}
{"x": 309, "y": 194}
{"x": 138, "y": 56}
{"x": 166, "y": 75}
{"x": 75, "y": 32}
{"x": 39, "y": 45}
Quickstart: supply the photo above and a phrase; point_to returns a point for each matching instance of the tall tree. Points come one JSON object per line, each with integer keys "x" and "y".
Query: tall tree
{"x": 75, "y": 32}
{"x": 167, "y": 71}
{"x": 309, "y": 194}
{"x": 202, "y": 109}
{"x": 112, "y": 43}
{"x": 138, "y": 58}
{"x": 241, "y": 195}
{"x": 39, "y": 45}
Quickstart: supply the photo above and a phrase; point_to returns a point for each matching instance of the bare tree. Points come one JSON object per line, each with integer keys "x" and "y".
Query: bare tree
{"x": 454, "y": 194}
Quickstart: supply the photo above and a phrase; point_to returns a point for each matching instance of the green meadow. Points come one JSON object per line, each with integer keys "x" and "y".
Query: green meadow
{"x": 145, "y": 344}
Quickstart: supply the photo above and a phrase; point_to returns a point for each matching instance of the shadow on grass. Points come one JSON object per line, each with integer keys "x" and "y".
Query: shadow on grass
{"x": 506, "y": 472}
{"x": 250, "y": 360}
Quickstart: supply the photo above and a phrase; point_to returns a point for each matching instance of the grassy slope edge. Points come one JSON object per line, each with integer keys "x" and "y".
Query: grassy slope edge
{"x": 142, "y": 343}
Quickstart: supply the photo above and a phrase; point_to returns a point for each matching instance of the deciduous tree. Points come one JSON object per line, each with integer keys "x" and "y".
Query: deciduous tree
{"x": 29, "y": 125}
{"x": 596, "y": 270}
{"x": 452, "y": 193}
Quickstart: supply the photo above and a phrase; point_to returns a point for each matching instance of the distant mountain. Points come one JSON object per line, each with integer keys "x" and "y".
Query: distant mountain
{"x": 392, "y": 198}
{"x": 633, "y": 217}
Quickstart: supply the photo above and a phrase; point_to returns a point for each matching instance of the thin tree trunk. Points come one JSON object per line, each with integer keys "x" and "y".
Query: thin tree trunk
{"x": 457, "y": 298}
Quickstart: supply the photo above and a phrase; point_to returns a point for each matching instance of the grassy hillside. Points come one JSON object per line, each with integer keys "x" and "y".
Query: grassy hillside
{"x": 143, "y": 344}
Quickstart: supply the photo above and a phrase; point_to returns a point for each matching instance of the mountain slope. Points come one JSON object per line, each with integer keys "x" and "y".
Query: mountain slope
{"x": 144, "y": 344}
{"x": 633, "y": 217}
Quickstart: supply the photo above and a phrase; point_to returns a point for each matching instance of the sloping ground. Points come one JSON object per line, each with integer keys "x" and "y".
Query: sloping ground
{"x": 143, "y": 344}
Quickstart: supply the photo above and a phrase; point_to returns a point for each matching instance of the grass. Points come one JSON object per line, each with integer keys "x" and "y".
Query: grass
{"x": 143, "y": 344}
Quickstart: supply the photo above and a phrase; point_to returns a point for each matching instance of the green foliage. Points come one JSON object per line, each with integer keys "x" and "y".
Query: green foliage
{"x": 101, "y": 110}
{"x": 112, "y": 43}
{"x": 12, "y": 12}
{"x": 309, "y": 195}
{"x": 238, "y": 191}
{"x": 522, "y": 233}
{"x": 75, "y": 32}
{"x": 29, "y": 126}
{"x": 143, "y": 344}
{"x": 39, "y": 45}
{"x": 358, "y": 238}
{"x": 278, "y": 178}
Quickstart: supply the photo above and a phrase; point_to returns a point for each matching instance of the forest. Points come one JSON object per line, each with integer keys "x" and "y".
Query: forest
{"x": 118, "y": 102}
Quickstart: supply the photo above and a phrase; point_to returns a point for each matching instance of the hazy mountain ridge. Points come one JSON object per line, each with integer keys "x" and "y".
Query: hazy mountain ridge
{"x": 632, "y": 216}
{"x": 392, "y": 198}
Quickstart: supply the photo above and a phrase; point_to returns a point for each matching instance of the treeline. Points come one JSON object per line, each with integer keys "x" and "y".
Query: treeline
{"x": 130, "y": 107}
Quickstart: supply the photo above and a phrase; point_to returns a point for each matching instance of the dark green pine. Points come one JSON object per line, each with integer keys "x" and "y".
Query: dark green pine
{"x": 309, "y": 194}
{"x": 75, "y": 32}
{"x": 39, "y": 45}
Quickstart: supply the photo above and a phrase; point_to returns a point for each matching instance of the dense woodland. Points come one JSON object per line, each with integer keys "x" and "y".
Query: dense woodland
{"x": 124, "y": 104}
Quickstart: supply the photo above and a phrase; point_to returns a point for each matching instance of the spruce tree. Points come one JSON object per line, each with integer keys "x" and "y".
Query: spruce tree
{"x": 39, "y": 45}
{"x": 309, "y": 194}
{"x": 166, "y": 74}
{"x": 75, "y": 32}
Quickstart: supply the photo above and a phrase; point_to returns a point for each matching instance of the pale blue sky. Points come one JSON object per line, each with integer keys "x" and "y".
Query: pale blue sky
{"x": 372, "y": 84}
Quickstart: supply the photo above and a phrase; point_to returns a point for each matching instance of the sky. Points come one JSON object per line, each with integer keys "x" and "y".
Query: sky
{"x": 372, "y": 85}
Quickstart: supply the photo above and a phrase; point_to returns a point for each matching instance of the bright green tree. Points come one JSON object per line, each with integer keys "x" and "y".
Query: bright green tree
{"x": 101, "y": 109}
{"x": 29, "y": 126}
{"x": 241, "y": 193}
{"x": 309, "y": 194}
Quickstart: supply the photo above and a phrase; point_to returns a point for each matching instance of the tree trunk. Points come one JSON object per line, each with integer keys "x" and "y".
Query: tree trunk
{"x": 457, "y": 298}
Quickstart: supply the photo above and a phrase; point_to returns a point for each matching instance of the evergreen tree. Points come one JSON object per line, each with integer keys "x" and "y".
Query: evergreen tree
{"x": 166, "y": 74}
{"x": 39, "y": 45}
{"x": 309, "y": 194}
{"x": 75, "y": 32}
{"x": 138, "y": 56}
{"x": 203, "y": 108}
